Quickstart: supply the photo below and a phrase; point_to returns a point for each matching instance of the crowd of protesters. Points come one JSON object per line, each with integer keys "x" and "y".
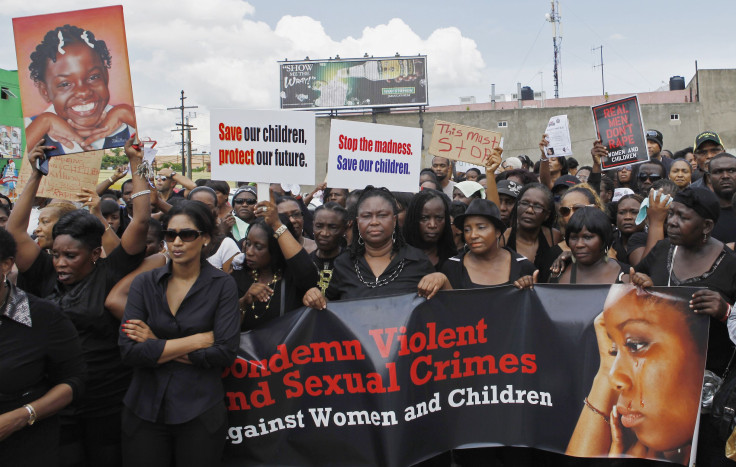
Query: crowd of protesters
{"x": 118, "y": 312}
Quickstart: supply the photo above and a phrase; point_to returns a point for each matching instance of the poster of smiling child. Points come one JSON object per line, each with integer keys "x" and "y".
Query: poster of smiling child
{"x": 75, "y": 79}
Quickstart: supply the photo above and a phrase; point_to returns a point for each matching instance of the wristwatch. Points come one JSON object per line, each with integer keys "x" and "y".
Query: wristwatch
{"x": 279, "y": 231}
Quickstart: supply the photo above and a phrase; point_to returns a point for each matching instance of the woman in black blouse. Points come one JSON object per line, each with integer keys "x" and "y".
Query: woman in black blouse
{"x": 75, "y": 277}
{"x": 486, "y": 263}
{"x": 277, "y": 270}
{"x": 379, "y": 262}
{"x": 690, "y": 256}
{"x": 181, "y": 329}
{"x": 427, "y": 226}
{"x": 41, "y": 370}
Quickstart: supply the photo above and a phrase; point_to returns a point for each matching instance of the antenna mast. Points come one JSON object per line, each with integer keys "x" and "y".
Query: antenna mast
{"x": 554, "y": 18}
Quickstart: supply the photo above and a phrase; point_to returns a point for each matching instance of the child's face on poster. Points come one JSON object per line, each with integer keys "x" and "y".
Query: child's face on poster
{"x": 76, "y": 85}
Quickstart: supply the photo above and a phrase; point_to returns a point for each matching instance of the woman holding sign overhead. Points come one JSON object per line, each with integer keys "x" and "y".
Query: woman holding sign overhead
{"x": 379, "y": 262}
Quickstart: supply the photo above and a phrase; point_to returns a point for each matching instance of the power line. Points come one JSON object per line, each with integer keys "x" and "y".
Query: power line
{"x": 185, "y": 130}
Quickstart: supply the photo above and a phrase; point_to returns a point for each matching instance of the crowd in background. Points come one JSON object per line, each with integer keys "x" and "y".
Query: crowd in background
{"x": 121, "y": 309}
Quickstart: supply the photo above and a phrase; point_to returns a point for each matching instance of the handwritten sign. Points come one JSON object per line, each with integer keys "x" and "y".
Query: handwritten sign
{"x": 620, "y": 127}
{"x": 369, "y": 154}
{"x": 269, "y": 146}
{"x": 67, "y": 175}
{"x": 463, "y": 143}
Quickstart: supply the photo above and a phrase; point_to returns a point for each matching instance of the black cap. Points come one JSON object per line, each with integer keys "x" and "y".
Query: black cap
{"x": 656, "y": 136}
{"x": 566, "y": 180}
{"x": 508, "y": 187}
{"x": 707, "y": 136}
{"x": 484, "y": 208}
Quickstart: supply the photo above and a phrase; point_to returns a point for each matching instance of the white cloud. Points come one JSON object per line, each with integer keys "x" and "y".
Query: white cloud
{"x": 617, "y": 37}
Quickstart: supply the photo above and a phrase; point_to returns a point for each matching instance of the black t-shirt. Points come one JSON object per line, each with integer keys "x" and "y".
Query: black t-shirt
{"x": 546, "y": 254}
{"x": 354, "y": 278}
{"x": 720, "y": 278}
{"x": 84, "y": 304}
{"x": 457, "y": 274}
{"x": 299, "y": 275}
{"x": 725, "y": 228}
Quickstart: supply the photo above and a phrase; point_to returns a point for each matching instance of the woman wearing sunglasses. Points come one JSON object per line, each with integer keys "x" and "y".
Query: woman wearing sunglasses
{"x": 580, "y": 196}
{"x": 181, "y": 329}
{"x": 588, "y": 235}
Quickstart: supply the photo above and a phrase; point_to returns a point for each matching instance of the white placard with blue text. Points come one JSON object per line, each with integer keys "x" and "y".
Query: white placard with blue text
{"x": 369, "y": 154}
{"x": 270, "y": 146}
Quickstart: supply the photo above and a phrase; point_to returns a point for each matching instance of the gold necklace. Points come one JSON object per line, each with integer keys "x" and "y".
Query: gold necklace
{"x": 276, "y": 277}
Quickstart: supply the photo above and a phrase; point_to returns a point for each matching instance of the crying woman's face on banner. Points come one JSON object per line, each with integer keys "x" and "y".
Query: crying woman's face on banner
{"x": 657, "y": 371}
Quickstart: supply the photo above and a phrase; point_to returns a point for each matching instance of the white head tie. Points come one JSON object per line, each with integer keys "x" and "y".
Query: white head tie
{"x": 61, "y": 44}
{"x": 86, "y": 39}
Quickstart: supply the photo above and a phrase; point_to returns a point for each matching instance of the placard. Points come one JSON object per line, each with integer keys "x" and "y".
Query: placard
{"x": 9, "y": 177}
{"x": 558, "y": 135}
{"x": 270, "y": 146}
{"x": 67, "y": 175}
{"x": 10, "y": 142}
{"x": 463, "y": 143}
{"x": 621, "y": 129}
{"x": 74, "y": 79}
{"x": 369, "y": 154}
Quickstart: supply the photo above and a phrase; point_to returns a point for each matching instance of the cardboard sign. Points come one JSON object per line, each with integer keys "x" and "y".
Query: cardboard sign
{"x": 67, "y": 175}
{"x": 269, "y": 146}
{"x": 620, "y": 127}
{"x": 369, "y": 154}
{"x": 463, "y": 143}
{"x": 74, "y": 79}
{"x": 558, "y": 135}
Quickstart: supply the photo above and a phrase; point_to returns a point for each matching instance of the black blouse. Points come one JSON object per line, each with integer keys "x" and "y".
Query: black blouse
{"x": 354, "y": 278}
{"x": 84, "y": 304}
{"x": 457, "y": 274}
{"x": 175, "y": 392}
{"x": 299, "y": 275}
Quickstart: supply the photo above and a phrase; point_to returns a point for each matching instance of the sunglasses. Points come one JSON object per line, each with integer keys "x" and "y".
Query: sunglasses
{"x": 248, "y": 201}
{"x": 186, "y": 235}
{"x": 652, "y": 177}
{"x": 161, "y": 177}
{"x": 566, "y": 211}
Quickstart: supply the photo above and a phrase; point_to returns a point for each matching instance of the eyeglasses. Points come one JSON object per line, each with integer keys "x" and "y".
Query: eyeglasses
{"x": 294, "y": 215}
{"x": 652, "y": 177}
{"x": 566, "y": 211}
{"x": 537, "y": 208}
{"x": 186, "y": 235}
{"x": 161, "y": 177}
{"x": 248, "y": 201}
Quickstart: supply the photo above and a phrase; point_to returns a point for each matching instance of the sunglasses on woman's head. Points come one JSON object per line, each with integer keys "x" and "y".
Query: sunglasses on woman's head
{"x": 248, "y": 201}
{"x": 186, "y": 235}
{"x": 652, "y": 177}
{"x": 566, "y": 211}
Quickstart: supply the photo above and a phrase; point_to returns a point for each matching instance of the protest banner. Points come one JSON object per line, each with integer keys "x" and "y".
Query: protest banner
{"x": 9, "y": 177}
{"x": 558, "y": 135}
{"x": 463, "y": 143}
{"x": 369, "y": 154}
{"x": 269, "y": 146}
{"x": 57, "y": 55}
{"x": 493, "y": 366}
{"x": 67, "y": 175}
{"x": 621, "y": 129}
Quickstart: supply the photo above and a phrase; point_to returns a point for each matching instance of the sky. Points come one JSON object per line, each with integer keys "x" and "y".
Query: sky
{"x": 223, "y": 53}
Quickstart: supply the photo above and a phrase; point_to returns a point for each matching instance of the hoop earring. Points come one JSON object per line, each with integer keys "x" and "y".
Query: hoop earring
{"x": 361, "y": 242}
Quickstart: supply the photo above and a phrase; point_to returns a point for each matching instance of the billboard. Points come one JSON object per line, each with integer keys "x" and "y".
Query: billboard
{"x": 348, "y": 83}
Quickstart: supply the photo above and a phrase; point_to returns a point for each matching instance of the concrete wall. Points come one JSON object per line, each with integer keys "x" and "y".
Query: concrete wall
{"x": 716, "y": 111}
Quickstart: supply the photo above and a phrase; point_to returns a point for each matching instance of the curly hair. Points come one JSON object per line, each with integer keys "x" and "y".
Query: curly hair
{"x": 49, "y": 48}
{"x": 356, "y": 249}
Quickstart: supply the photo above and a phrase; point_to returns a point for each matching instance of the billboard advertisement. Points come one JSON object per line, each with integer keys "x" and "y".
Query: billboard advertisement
{"x": 347, "y": 83}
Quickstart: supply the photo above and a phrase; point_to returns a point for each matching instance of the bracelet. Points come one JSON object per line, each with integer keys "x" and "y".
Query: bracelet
{"x": 280, "y": 231}
{"x": 109, "y": 179}
{"x": 31, "y": 414}
{"x": 596, "y": 411}
{"x": 140, "y": 193}
{"x": 728, "y": 313}
{"x": 108, "y": 227}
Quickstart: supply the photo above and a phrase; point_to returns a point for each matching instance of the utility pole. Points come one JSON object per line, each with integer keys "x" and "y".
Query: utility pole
{"x": 183, "y": 129}
{"x": 554, "y": 18}
{"x": 603, "y": 83}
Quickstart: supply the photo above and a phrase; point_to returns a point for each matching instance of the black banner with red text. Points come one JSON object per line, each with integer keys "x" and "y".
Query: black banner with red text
{"x": 395, "y": 380}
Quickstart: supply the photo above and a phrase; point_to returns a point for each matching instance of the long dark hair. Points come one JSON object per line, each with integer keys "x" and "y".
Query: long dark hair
{"x": 201, "y": 217}
{"x": 445, "y": 244}
{"x": 550, "y": 206}
{"x": 370, "y": 191}
{"x": 278, "y": 262}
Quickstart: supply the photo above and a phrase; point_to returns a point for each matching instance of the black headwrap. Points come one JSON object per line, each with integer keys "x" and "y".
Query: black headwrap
{"x": 701, "y": 200}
